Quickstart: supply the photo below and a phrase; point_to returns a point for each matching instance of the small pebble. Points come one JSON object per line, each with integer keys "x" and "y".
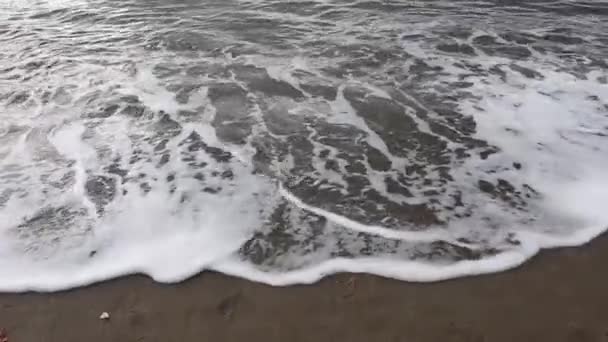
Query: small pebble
{"x": 104, "y": 316}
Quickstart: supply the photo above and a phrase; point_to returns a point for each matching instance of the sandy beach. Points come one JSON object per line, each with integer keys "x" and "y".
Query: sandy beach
{"x": 558, "y": 296}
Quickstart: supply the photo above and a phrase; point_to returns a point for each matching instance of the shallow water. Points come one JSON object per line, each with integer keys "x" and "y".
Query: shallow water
{"x": 284, "y": 141}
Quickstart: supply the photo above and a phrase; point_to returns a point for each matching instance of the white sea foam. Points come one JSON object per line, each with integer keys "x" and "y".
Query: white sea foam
{"x": 160, "y": 235}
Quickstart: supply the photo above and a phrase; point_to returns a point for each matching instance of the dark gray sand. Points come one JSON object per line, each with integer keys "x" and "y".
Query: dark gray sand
{"x": 558, "y": 296}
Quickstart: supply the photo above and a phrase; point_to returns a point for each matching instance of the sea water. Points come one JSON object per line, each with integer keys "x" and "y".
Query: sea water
{"x": 283, "y": 141}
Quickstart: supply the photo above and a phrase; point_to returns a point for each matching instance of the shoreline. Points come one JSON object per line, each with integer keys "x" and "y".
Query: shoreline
{"x": 559, "y": 295}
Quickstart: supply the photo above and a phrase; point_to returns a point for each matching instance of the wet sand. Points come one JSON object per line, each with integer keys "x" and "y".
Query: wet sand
{"x": 561, "y": 295}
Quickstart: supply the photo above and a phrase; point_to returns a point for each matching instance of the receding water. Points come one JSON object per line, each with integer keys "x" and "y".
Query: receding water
{"x": 282, "y": 141}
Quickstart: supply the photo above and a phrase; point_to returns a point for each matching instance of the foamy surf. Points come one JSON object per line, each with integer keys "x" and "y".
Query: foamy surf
{"x": 411, "y": 141}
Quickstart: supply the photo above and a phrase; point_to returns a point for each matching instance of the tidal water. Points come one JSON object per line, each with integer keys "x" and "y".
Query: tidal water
{"x": 282, "y": 141}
